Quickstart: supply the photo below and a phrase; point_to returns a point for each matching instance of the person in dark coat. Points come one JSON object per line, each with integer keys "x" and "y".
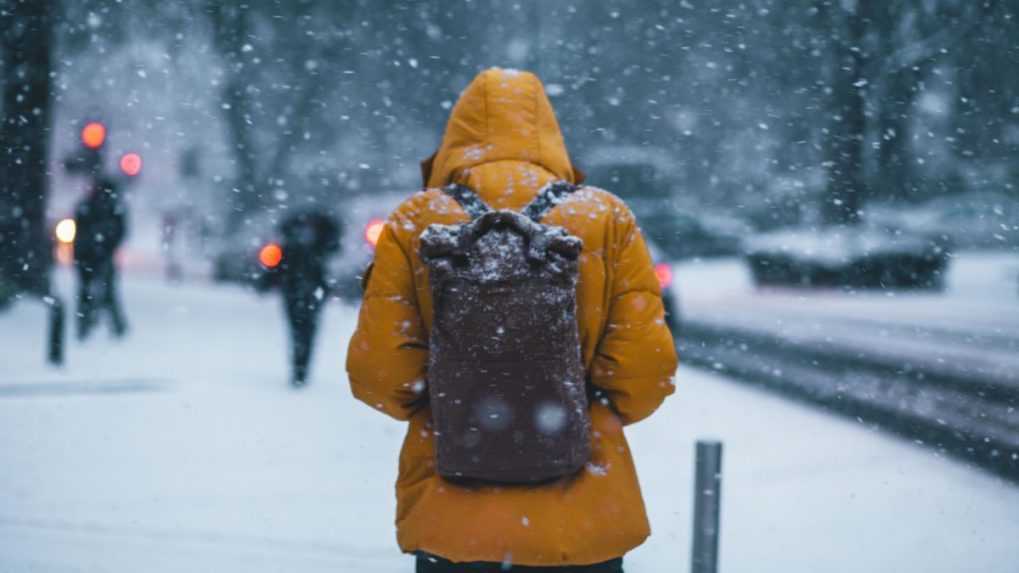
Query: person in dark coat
{"x": 101, "y": 221}
{"x": 309, "y": 239}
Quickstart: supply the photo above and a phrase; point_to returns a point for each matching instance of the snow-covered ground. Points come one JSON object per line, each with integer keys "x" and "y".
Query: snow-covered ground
{"x": 182, "y": 449}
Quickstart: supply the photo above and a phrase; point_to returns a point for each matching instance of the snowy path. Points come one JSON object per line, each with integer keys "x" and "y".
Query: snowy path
{"x": 181, "y": 449}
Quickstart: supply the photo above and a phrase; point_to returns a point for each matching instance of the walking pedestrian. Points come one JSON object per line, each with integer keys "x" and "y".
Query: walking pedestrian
{"x": 309, "y": 239}
{"x": 101, "y": 222}
{"x": 513, "y": 318}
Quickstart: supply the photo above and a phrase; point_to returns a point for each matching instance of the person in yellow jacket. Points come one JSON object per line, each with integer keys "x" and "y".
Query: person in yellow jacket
{"x": 503, "y": 141}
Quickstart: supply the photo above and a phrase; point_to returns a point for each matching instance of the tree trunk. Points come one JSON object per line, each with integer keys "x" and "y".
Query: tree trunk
{"x": 245, "y": 196}
{"x": 894, "y": 177}
{"x": 24, "y": 143}
{"x": 230, "y": 36}
{"x": 848, "y": 124}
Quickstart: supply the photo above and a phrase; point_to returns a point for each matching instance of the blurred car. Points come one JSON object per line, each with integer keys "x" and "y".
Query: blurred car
{"x": 670, "y": 297}
{"x": 686, "y": 235}
{"x": 245, "y": 257}
{"x": 364, "y": 217}
{"x": 235, "y": 258}
{"x": 646, "y": 178}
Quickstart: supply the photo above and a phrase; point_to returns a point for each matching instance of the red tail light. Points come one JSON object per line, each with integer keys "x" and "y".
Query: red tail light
{"x": 270, "y": 256}
{"x": 373, "y": 230}
{"x": 664, "y": 274}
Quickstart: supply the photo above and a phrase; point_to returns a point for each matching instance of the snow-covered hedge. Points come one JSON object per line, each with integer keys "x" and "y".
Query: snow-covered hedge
{"x": 859, "y": 257}
{"x": 969, "y": 220}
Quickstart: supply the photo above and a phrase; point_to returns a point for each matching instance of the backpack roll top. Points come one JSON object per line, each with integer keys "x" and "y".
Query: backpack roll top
{"x": 506, "y": 379}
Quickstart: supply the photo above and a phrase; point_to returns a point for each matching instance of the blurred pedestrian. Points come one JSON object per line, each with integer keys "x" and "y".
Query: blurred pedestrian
{"x": 101, "y": 221}
{"x": 309, "y": 239}
{"x": 170, "y": 221}
{"x": 514, "y": 319}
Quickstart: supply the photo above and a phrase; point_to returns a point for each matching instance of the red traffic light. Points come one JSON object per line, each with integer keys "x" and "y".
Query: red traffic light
{"x": 131, "y": 164}
{"x": 93, "y": 135}
{"x": 270, "y": 256}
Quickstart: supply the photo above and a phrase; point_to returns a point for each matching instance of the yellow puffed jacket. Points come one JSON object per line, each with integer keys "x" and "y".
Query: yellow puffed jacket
{"x": 503, "y": 141}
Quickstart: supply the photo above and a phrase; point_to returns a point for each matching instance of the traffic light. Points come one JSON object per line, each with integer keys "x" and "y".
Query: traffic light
{"x": 88, "y": 159}
{"x": 93, "y": 135}
{"x": 270, "y": 256}
{"x": 131, "y": 164}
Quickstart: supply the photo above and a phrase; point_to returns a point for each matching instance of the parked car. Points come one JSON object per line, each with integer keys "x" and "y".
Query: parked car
{"x": 683, "y": 234}
{"x": 645, "y": 177}
{"x": 364, "y": 217}
{"x": 235, "y": 257}
{"x": 670, "y": 297}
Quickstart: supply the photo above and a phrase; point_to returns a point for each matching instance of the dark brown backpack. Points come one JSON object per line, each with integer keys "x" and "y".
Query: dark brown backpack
{"x": 505, "y": 375}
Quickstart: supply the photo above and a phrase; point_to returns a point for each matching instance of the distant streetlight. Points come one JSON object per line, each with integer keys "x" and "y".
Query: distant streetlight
{"x": 66, "y": 230}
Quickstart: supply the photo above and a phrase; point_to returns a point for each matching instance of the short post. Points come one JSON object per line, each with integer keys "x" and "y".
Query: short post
{"x": 55, "y": 346}
{"x": 707, "y": 502}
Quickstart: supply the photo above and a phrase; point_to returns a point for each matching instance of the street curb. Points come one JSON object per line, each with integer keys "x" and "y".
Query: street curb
{"x": 952, "y": 415}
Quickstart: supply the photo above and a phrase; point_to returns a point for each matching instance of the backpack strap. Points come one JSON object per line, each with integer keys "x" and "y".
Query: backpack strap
{"x": 549, "y": 196}
{"x": 468, "y": 200}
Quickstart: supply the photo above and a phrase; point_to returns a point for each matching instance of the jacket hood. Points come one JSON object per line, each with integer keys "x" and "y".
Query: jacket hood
{"x": 503, "y": 115}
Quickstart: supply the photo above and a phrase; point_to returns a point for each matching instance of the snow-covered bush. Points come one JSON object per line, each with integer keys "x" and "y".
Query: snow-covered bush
{"x": 855, "y": 257}
{"x": 969, "y": 220}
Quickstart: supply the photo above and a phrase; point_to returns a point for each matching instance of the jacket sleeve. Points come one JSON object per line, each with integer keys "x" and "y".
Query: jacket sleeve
{"x": 636, "y": 357}
{"x": 388, "y": 353}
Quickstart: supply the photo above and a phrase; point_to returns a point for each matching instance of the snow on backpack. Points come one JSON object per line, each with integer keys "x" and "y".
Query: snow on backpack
{"x": 505, "y": 376}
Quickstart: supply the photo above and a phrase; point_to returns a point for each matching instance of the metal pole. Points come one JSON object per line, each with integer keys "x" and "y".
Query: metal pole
{"x": 55, "y": 354}
{"x": 707, "y": 501}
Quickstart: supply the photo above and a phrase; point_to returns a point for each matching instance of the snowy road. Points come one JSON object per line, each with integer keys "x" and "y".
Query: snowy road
{"x": 181, "y": 449}
{"x": 941, "y": 367}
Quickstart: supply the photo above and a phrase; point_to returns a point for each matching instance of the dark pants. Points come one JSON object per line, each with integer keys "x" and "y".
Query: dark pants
{"x": 97, "y": 292}
{"x": 431, "y": 564}
{"x": 302, "y": 310}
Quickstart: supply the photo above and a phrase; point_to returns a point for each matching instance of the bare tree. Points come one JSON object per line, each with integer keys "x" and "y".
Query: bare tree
{"x": 848, "y": 124}
{"x": 231, "y": 31}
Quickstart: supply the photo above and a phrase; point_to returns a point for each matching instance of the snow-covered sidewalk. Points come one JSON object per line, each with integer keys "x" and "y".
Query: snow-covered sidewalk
{"x": 182, "y": 449}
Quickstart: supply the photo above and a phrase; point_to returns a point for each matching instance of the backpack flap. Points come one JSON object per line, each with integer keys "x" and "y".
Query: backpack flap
{"x": 505, "y": 375}
{"x": 448, "y": 248}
